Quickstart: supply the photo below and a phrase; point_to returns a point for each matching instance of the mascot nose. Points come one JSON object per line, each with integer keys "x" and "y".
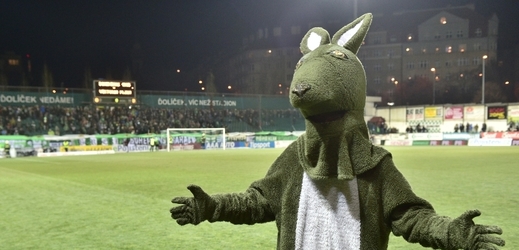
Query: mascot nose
{"x": 300, "y": 89}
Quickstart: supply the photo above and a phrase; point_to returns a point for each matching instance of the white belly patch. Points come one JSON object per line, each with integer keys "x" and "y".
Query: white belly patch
{"x": 328, "y": 215}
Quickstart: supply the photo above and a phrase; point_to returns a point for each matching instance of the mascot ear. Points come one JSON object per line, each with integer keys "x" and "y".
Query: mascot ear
{"x": 314, "y": 38}
{"x": 352, "y": 35}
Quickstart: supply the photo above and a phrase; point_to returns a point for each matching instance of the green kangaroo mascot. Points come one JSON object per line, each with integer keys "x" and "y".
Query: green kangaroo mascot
{"x": 331, "y": 188}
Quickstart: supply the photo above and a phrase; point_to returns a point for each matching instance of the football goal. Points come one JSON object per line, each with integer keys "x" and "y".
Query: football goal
{"x": 195, "y": 138}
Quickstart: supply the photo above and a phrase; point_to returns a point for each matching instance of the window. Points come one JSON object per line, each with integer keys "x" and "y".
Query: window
{"x": 259, "y": 34}
{"x": 448, "y": 64}
{"x": 448, "y": 49}
{"x": 437, "y": 36}
{"x": 476, "y": 61}
{"x": 463, "y": 62}
{"x": 295, "y": 30}
{"x": 423, "y": 64}
{"x": 376, "y": 40}
{"x": 362, "y": 55}
{"x": 459, "y": 34}
{"x": 390, "y": 66}
{"x": 479, "y": 32}
{"x": 13, "y": 62}
{"x": 462, "y": 47}
{"x": 448, "y": 34}
{"x": 424, "y": 50}
{"x": 390, "y": 53}
{"x": 410, "y": 65}
{"x": 277, "y": 31}
{"x": 492, "y": 46}
{"x": 377, "y": 67}
{"x": 477, "y": 46}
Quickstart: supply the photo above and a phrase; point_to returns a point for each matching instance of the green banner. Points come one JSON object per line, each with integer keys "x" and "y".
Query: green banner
{"x": 46, "y": 98}
{"x": 421, "y": 143}
{"x": 256, "y": 102}
{"x": 216, "y": 101}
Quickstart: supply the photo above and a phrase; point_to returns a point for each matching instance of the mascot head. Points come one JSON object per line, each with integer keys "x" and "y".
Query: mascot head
{"x": 329, "y": 81}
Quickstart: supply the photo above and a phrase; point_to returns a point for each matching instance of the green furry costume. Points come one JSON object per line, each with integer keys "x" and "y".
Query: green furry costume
{"x": 331, "y": 188}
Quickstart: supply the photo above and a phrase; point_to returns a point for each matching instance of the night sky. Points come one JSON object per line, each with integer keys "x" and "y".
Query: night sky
{"x": 69, "y": 35}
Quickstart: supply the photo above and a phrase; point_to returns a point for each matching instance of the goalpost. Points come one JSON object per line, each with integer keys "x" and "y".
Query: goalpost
{"x": 195, "y": 138}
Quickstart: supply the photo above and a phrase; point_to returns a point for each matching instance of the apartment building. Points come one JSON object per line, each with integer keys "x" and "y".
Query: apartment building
{"x": 399, "y": 47}
{"x": 435, "y": 44}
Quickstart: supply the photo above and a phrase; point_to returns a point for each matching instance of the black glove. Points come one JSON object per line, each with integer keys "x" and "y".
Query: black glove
{"x": 194, "y": 210}
{"x": 464, "y": 234}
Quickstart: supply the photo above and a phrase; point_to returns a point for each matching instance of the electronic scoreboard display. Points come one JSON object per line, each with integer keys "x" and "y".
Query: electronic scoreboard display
{"x": 114, "y": 91}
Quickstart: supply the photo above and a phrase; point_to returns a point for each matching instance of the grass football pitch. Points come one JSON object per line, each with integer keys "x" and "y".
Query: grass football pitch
{"x": 122, "y": 201}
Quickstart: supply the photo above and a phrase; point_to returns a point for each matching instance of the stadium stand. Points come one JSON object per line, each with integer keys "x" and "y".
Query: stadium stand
{"x": 91, "y": 119}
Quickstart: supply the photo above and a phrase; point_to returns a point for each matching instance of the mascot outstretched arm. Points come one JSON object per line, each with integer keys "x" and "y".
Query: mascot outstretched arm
{"x": 331, "y": 188}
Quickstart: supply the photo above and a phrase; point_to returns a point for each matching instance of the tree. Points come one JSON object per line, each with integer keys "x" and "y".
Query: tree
{"x": 516, "y": 92}
{"x": 413, "y": 92}
{"x": 25, "y": 80}
{"x": 3, "y": 78}
{"x": 459, "y": 88}
{"x": 47, "y": 79}
{"x": 493, "y": 93}
{"x": 108, "y": 75}
{"x": 127, "y": 75}
{"x": 210, "y": 87}
{"x": 87, "y": 78}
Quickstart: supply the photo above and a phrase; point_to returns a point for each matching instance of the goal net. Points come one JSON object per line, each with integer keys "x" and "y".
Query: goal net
{"x": 195, "y": 138}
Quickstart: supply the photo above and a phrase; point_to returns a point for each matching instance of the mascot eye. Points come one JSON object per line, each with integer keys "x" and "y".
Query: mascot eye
{"x": 338, "y": 54}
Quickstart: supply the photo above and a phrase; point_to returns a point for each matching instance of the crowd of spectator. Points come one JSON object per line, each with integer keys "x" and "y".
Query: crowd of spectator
{"x": 469, "y": 128}
{"x": 90, "y": 119}
{"x": 513, "y": 126}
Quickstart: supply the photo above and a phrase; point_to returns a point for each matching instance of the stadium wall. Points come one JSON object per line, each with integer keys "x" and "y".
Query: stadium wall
{"x": 448, "y": 139}
{"x": 45, "y": 146}
{"x": 443, "y": 118}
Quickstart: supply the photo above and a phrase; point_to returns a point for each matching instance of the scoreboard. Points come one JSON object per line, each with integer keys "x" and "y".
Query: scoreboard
{"x": 110, "y": 91}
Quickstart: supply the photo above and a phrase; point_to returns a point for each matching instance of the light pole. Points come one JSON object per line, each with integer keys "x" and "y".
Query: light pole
{"x": 395, "y": 82}
{"x": 433, "y": 70}
{"x": 390, "y": 104}
{"x": 483, "y": 81}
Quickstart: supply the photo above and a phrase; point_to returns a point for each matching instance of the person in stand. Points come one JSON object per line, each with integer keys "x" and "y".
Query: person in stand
{"x": 126, "y": 142}
{"x": 511, "y": 126}
{"x": 65, "y": 145}
{"x": 7, "y": 149}
{"x": 152, "y": 144}
{"x": 202, "y": 141}
{"x": 456, "y": 128}
{"x": 156, "y": 144}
